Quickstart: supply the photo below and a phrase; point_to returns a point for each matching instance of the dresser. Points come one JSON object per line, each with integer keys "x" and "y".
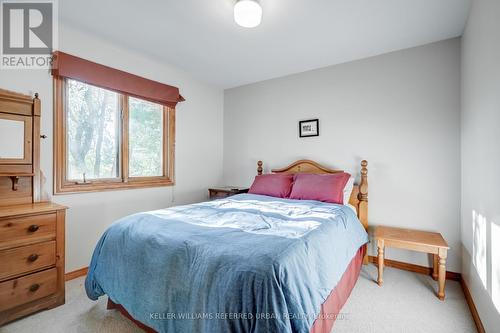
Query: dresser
{"x": 31, "y": 231}
{"x": 31, "y": 258}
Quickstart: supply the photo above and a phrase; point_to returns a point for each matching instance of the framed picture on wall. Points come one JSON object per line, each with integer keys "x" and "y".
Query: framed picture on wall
{"x": 308, "y": 128}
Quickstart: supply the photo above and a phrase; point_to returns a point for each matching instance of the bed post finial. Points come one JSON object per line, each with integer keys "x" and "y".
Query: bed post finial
{"x": 363, "y": 185}
{"x": 259, "y": 168}
{"x": 363, "y": 200}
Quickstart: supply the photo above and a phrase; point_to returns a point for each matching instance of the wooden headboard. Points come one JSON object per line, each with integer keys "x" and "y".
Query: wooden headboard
{"x": 359, "y": 196}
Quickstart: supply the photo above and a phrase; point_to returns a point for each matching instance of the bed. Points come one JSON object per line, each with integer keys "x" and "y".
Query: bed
{"x": 247, "y": 263}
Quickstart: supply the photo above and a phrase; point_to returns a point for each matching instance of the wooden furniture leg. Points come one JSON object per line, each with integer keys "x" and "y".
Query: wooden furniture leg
{"x": 416, "y": 240}
{"x": 442, "y": 273}
{"x": 435, "y": 267}
{"x": 380, "y": 246}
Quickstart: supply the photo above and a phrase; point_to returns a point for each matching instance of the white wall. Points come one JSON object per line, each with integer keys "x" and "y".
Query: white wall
{"x": 400, "y": 111}
{"x": 198, "y": 142}
{"x": 481, "y": 159}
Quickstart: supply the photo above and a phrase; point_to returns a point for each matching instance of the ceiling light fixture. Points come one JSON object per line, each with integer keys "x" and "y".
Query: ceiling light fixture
{"x": 247, "y": 13}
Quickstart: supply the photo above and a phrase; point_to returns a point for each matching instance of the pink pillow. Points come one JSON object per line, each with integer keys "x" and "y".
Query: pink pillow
{"x": 322, "y": 187}
{"x": 274, "y": 185}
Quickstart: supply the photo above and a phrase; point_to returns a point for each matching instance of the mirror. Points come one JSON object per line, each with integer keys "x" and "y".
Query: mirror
{"x": 11, "y": 139}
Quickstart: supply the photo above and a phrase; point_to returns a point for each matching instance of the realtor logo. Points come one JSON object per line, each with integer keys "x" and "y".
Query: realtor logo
{"x": 29, "y": 33}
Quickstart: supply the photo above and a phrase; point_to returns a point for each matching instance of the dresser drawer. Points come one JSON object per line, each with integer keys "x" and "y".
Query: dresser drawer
{"x": 15, "y": 231}
{"x": 26, "y": 259}
{"x": 27, "y": 288}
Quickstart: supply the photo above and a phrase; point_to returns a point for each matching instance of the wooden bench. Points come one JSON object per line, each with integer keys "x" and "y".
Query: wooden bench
{"x": 416, "y": 240}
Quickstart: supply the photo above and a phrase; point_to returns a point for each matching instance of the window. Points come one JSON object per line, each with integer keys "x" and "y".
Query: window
{"x": 106, "y": 140}
{"x": 145, "y": 138}
{"x": 93, "y": 132}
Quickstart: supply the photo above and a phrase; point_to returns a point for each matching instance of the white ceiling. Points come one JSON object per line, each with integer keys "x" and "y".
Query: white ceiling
{"x": 200, "y": 36}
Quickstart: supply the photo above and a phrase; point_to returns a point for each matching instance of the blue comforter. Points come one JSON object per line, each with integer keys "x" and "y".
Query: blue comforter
{"x": 248, "y": 263}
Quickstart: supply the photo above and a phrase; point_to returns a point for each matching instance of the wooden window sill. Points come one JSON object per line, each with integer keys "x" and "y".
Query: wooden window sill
{"x": 71, "y": 188}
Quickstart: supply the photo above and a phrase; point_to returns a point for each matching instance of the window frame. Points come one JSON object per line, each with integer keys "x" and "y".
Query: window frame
{"x": 62, "y": 185}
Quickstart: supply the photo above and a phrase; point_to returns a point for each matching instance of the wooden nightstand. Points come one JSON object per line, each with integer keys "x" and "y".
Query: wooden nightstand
{"x": 225, "y": 191}
{"x": 416, "y": 240}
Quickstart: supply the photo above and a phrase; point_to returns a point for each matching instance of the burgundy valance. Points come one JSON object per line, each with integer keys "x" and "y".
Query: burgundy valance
{"x": 68, "y": 66}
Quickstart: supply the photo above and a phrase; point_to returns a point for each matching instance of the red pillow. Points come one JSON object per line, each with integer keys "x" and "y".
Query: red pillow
{"x": 321, "y": 187}
{"x": 274, "y": 185}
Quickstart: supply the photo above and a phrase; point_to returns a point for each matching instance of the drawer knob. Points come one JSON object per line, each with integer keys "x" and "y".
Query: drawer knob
{"x": 33, "y": 257}
{"x": 34, "y": 287}
{"x": 33, "y": 228}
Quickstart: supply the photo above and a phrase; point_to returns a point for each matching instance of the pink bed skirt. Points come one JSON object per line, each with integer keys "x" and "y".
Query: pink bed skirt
{"x": 330, "y": 309}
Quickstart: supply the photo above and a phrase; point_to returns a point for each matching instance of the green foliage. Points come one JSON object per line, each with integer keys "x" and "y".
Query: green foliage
{"x": 93, "y": 134}
{"x": 92, "y": 131}
{"x": 145, "y": 138}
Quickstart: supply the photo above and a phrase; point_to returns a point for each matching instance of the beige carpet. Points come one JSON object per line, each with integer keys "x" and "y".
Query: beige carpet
{"x": 406, "y": 303}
